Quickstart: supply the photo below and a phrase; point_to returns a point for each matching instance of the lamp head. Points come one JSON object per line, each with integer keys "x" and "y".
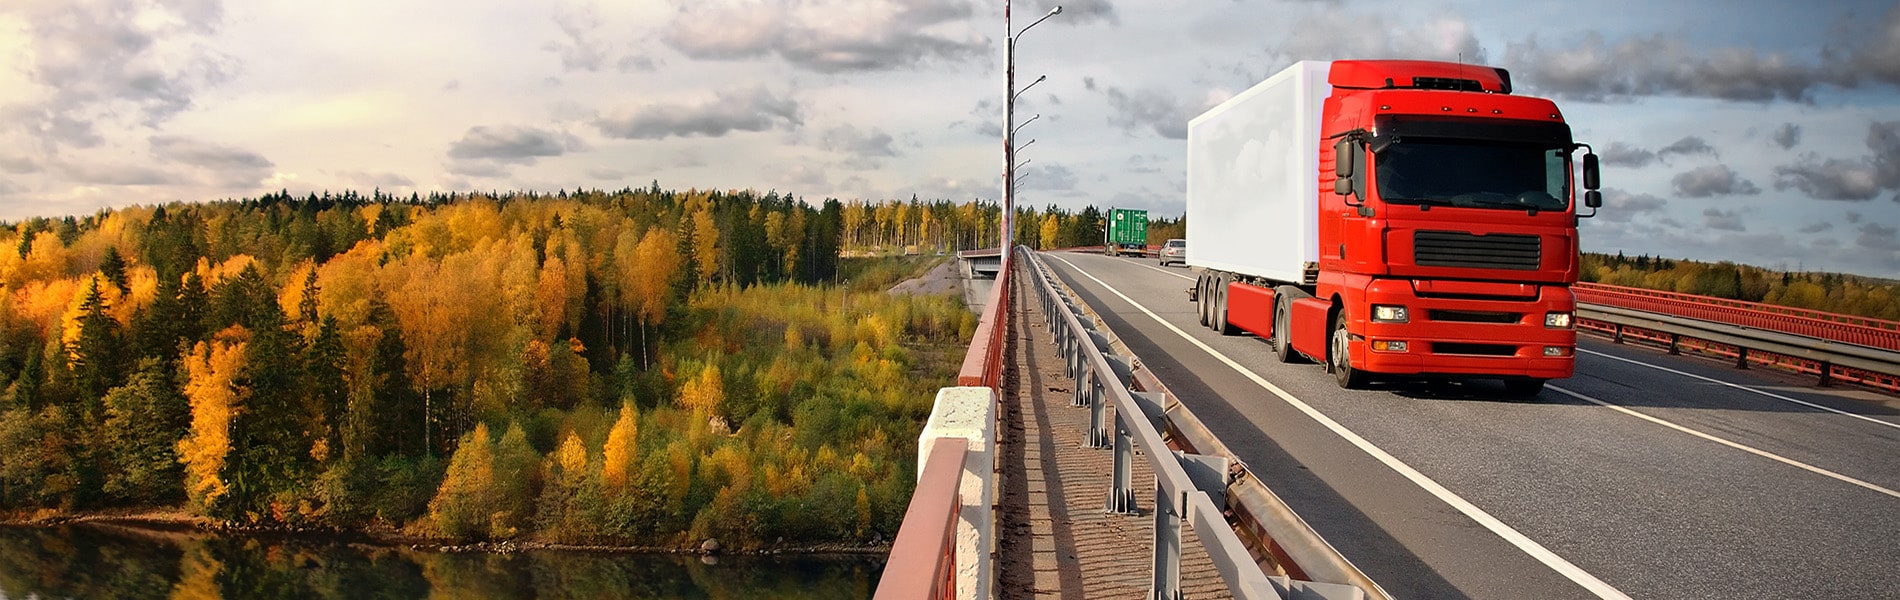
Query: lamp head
{"x": 1055, "y": 11}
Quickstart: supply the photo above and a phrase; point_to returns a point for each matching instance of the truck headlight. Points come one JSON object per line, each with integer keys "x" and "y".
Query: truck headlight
{"x": 1557, "y": 320}
{"x": 1382, "y": 313}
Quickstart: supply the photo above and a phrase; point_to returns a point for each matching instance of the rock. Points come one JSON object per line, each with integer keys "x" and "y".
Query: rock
{"x": 709, "y": 546}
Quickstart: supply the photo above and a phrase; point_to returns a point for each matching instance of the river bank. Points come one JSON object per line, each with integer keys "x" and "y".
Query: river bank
{"x": 166, "y": 523}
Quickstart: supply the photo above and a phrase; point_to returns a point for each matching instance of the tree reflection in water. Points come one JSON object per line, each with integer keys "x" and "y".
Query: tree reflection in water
{"x": 103, "y": 561}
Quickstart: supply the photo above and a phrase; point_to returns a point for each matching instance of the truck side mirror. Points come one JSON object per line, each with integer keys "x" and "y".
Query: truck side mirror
{"x": 1590, "y": 177}
{"x": 1343, "y": 186}
{"x": 1345, "y": 160}
{"x": 1593, "y": 199}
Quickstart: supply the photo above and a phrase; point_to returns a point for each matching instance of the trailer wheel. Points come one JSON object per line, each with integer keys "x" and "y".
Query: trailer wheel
{"x": 1340, "y": 361}
{"x": 1282, "y": 340}
{"x": 1200, "y": 298}
{"x": 1523, "y": 388}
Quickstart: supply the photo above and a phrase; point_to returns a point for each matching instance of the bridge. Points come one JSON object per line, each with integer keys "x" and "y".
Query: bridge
{"x": 1674, "y": 464}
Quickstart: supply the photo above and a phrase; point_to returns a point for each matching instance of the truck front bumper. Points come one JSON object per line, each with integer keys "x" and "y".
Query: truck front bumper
{"x": 1467, "y": 335}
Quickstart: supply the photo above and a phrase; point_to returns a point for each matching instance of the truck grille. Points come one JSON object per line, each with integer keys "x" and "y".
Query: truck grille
{"x": 1461, "y": 249}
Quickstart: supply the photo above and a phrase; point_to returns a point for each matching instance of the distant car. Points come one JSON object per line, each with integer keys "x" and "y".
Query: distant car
{"x": 1175, "y": 251}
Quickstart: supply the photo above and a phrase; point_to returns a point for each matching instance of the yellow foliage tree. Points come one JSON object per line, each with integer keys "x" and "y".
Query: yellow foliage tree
{"x": 572, "y": 458}
{"x": 705, "y": 392}
{"x": 656, "y": 263}
{"x": 706, "y": 250}
{"x": 622, "y": 447}
{"x": 212, "y": 368}
{"x": 463, "y": 505}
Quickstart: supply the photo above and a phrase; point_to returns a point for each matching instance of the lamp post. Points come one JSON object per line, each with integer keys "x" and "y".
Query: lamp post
{"x": 1009, "y": 125}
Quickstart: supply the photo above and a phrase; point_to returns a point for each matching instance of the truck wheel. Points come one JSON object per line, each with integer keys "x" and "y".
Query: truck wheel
{"x": 1340, "y": 361}
{"x": 1282, "y": 338}
{"x": 1201, "y": 299}
{"x": 1523, "y": 388}
{"x": 1222, "y": 325}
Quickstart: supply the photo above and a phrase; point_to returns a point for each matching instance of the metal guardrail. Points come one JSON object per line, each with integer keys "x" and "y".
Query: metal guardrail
{"x": 1830, "y": 360}
{"x": 1190, "y": 488}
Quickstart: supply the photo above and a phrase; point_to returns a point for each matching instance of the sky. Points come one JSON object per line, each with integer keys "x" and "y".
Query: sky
{"x": 1758, "y": 132}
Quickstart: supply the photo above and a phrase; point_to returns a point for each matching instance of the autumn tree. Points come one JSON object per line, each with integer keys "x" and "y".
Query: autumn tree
{"x": 213, "y": 368}
{"x": 655, "y": 265}
{"x": 621, "y": 448}
{"x": 708, "y": 257}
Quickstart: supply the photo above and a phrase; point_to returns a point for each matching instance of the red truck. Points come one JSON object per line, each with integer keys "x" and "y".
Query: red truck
{"x": 1391, "y": 218}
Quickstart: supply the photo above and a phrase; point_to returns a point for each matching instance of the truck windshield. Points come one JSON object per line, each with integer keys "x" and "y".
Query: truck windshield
{"x": 1472, "y": 174}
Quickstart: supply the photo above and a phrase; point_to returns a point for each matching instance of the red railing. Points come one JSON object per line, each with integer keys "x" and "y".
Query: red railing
{"x": 923, "y": 557}
{"x": 1874, "y": 333}
{"x": 983, "y": 364}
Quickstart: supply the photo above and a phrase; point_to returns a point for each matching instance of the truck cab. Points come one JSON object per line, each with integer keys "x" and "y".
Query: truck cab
{"x": 1447, "y": 233}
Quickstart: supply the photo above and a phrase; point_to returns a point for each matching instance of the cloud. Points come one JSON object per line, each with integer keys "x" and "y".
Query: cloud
{"x": 100, "y": 173}
{"x": 1877, "y": 237}
{"x": 636, "y": 64}
{"x": 1592, "y": 69}
{"x": 985, "y": 120}
{"x": 1595, "y": 69}
{"x": 121, "y": 62}
{"x": 754, "y": 109}
{"x": 224, "y": 166}
{"x": 954, "y": 189}
{"x": 1074, "y": 12}
{"x": 514, "y": 145}
{"x": 18, "y": 165}
{"x": 1723, "y": 220}
{"x": 492, "y": 151}
{"x": 1150, "y": 109}
{"x": 828, "y": 36}
{"x": 1712, "y": 180}
{"x": 377, "y": 179}
{"x": 1049, "y": 177}
{"x": 1817, "y": 227}
{"x": 1625, "y": 155}
{"x": 1688, "y": 146}
{"x": 1624, "y": 207}
{"x": 578, "y": 48}
{"x": 848, "y": 139}
{"x": 1333, "y": 33}
{"x": 1786, "y": 136}
{"x": 1842, "y": 179}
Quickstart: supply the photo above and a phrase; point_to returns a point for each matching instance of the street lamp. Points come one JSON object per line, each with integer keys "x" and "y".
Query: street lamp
{"x": 1012, "y": 132}
{"x": 1031, "y": 142}
{"x": 1009, "y": 124}
{"x": 1025, "y": 90}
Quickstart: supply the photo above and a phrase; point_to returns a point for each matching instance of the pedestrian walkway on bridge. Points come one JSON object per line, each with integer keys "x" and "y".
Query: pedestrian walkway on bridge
{"x": 1054, "y": 538}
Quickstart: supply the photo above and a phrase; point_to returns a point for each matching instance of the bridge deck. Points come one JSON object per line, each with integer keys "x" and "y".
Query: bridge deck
{"x": 1054, "y": 540}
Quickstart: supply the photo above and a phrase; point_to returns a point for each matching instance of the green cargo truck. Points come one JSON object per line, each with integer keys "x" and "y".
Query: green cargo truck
{"x": 1126, "y": 232}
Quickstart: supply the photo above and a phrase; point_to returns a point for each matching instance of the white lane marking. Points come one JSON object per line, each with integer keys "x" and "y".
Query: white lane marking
{"x": 1737, "y": 446}
{"x": 1745, "y": 388}
{"x": 1511, "y": 535}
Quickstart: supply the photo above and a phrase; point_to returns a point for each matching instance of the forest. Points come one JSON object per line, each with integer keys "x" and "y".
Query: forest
{"x": 641, "y": 367}
{"x": 1826, "y": 292}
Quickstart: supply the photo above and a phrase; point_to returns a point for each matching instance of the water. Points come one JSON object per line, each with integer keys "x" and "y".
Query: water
{"x": 104, "y": 561}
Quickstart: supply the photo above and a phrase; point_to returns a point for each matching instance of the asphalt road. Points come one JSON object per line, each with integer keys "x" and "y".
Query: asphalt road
{"x": 1644, "y": 476}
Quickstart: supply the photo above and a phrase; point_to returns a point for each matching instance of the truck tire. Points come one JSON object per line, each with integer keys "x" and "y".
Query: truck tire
{"x": 1200, "y": 298}
{"x": 1339, "y": 356}
{"x": 1523, "y": 388}
{"x": 1282, "y": 337}
{"x": 1222, "y": 325}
